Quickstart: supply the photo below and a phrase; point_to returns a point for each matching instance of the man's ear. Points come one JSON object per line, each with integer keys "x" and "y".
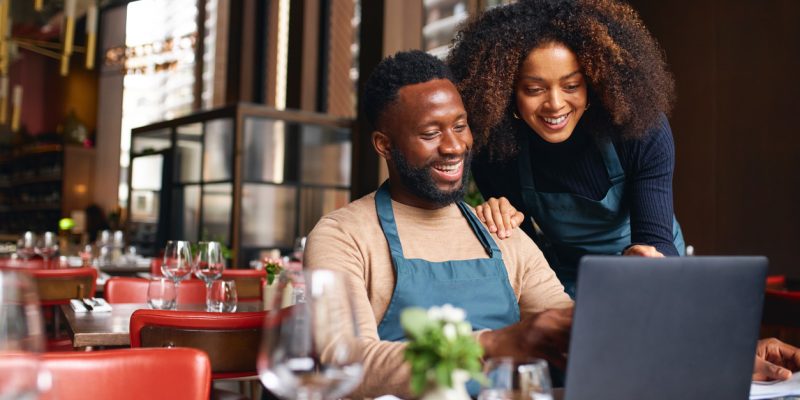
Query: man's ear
{"x": 382, "y": 144}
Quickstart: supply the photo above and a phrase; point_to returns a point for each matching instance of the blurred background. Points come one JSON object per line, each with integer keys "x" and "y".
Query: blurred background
{"x": 237, "y": 121}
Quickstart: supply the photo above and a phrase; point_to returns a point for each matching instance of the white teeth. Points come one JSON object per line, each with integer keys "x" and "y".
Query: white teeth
{"x": 448, "y": 167}
{"x": 555, "y": 121}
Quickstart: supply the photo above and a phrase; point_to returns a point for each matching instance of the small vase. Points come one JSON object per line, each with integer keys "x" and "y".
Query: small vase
{"x": 457, "y": 392}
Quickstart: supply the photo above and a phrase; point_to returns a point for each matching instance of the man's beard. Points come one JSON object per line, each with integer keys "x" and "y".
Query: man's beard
{"x": 420, "y": 182}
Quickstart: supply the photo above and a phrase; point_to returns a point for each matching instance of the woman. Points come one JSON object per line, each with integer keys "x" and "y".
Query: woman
{"x": 567, "y": 102}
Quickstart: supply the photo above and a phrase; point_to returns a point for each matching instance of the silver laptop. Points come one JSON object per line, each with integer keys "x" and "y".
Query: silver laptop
{"x": 669, "y": 328}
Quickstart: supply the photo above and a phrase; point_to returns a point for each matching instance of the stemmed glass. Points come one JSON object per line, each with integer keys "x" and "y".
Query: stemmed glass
{"x": 26, "y": 245}
{"x": 21, "y": 338}
{"x": 310, "y": 350}
{"x": 208, "y": 264}
{"x": 47, "y": 247}
{"x": 177, "y": 264}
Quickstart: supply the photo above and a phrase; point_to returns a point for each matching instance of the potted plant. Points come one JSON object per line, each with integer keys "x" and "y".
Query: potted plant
{"x": 442, "y": 352}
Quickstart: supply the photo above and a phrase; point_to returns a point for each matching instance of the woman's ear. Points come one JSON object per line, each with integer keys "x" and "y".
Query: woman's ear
{"x": 382, "y": 144}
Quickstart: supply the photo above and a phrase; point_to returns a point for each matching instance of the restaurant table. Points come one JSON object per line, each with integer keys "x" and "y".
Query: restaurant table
{"x": 112, "y": 328}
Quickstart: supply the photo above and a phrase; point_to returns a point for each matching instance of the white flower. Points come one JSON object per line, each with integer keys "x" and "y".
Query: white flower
{"x": 435, "y": 314}
{"x": 452, "y": 314}
{"x": 449, "y": 331}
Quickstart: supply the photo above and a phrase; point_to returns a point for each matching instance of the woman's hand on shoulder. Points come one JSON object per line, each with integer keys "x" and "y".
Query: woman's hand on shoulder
{"x": 642, "y": 250}
{"x": 499, "y": 216}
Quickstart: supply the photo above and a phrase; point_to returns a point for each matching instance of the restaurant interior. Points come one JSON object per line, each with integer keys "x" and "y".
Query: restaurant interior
{"x": 132, "y": 131}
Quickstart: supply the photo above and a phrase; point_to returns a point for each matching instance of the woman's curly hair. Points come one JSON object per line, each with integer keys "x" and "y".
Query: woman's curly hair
{"x": 629, "y": 84}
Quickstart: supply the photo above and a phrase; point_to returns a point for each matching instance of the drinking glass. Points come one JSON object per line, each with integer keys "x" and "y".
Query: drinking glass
{"x": 161, "y": 294}
{"x": 47, "y": 247}
{"x": 26, "y": 245}
{"x": 21, "y": 338}
{"x": 209, "y": 264}
{"x": 221, "y": 296}
{"x": 499, "y": 372}
{"x": 309, "y": 349}
{"x": 534, "y": 380}
{"x": 177, "y": 263}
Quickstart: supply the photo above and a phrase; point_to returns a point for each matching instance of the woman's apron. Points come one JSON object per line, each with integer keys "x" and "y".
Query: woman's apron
{"x": 573, "y": 225}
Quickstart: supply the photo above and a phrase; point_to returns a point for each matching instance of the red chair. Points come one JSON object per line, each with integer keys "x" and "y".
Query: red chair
{"x": 134, "y": 290}
{"x": 155, "y": 266}
{"x": 178, "y": 374}
{"x": 231, "y": 340}
{"x": 249, "y": 282}
{"x": 776, "y": 282}
{"x": 56, "y": 287}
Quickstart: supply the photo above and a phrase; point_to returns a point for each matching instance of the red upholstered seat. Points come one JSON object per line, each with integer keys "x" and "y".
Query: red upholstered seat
{"x": 129, "y": 374}
{"x": 155, "y": 266}
{"x": 776, "y": 282}
{"x": 134, "y": 290}
{"x": 231, "y": 340}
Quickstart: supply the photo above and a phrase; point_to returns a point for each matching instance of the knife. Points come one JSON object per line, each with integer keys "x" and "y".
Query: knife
{"x": 87, "y": 304}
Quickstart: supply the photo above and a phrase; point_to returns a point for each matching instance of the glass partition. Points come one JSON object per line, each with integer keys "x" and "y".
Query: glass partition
{"x": 249, "y": 176}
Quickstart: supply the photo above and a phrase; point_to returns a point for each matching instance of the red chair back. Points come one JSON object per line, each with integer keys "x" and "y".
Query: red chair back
{"x": 58, "y": 286}
{"x": 776, "y": 282}
{"x": 178, "y": 373}
{"x": 155, "y": 266}
{"x": 134, "y": 290}
{"x": 249, "y": 282}
{"x": 231, "y": 340}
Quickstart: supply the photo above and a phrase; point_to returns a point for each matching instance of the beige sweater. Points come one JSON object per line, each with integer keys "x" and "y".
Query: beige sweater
{"x": 350, "y": 240}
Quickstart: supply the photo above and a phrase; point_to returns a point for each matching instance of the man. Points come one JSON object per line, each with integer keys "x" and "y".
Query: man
{"x": 438, "y": 251}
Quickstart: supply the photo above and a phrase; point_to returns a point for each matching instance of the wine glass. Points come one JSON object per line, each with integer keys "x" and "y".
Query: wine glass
{"x": 177, "y": 263}
{"x": 208, "y": 264}
{"x": 26, "y": 245}
{"x": 21, "y": 338}
{"x": 310, "y": 349}
{"x": 47, "y": 247}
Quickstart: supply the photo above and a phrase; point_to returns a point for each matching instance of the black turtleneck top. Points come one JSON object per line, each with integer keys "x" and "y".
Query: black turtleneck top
{"x": 576, "y": 166}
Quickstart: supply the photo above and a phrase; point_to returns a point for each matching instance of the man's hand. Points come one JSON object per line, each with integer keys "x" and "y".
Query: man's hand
{"x": 775, "y": 360}
{"x": 499, "y": 216}
{"x": 544, "y": 335}
{"x": 642, "y": 251}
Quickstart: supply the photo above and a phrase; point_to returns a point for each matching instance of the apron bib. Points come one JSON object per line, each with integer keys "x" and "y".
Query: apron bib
{"x": 479, "y": 286}
{"x": 574, "y": 226}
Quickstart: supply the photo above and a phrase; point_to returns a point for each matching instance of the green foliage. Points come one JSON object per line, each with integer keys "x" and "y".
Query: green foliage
{"x": 273, "y": 268}
{"x": 472, "y": 195}
{"x": 439, "y": 342}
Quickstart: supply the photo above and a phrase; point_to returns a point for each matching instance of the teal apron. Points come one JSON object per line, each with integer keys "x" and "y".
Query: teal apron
{"x": 479, "y": 286}
{"x": 573, "y": 225}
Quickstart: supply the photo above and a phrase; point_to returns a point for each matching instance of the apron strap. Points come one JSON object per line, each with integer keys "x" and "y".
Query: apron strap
{"x": 486, "y": 240}
{"x": 383, "y": 204}
{"x": 611, "y": 161}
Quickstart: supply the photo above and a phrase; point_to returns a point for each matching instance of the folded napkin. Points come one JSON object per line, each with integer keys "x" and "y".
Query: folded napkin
{"x": 97, "y": 304}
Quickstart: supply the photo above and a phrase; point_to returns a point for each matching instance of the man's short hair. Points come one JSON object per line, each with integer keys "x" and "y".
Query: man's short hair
{"x": 392, "y": 73}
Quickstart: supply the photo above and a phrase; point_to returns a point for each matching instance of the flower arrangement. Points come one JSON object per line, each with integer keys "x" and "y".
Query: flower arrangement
{"x": 273, "y": 267}
{"x": 440, "y": 342}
